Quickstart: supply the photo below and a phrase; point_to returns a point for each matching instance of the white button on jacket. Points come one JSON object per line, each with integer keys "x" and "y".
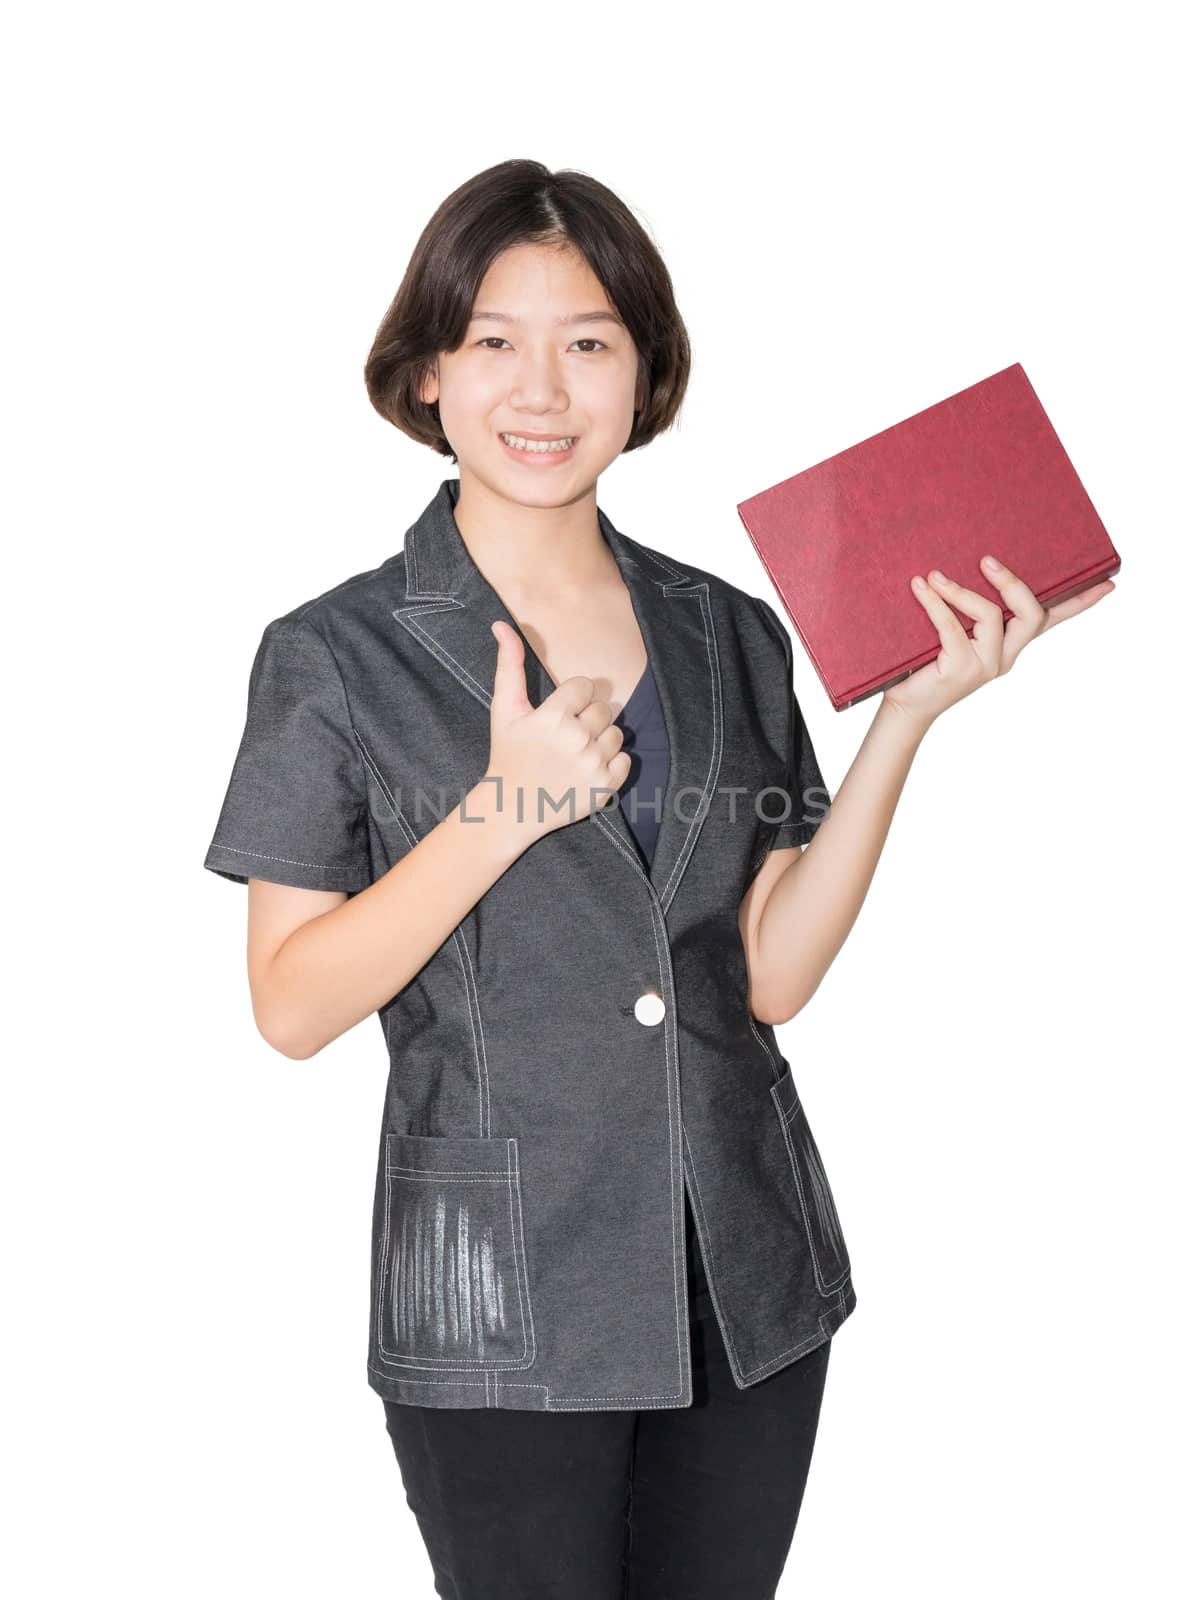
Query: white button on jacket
{"x": 649, "y": 1009}
{"x": 538, "y": 1135}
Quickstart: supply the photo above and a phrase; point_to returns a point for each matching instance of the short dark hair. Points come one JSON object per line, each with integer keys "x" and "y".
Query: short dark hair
{"x": 524, "y": 202}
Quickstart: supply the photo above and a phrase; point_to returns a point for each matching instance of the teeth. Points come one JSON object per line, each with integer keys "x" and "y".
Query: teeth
{"x": 519, "y": 443}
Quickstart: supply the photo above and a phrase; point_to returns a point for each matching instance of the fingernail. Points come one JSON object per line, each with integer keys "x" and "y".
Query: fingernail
{"x": 939, "y": 576}
{"x": 989, "y": 561}
{"x": 918, "y": 583}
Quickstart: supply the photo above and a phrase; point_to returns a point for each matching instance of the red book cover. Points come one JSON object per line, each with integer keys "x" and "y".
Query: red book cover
{"x": 982, "y": 472}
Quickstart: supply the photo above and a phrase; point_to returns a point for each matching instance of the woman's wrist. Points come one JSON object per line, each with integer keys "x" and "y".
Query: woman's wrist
{"x": 905, "y": 724}
{"x": 492, "y": 804}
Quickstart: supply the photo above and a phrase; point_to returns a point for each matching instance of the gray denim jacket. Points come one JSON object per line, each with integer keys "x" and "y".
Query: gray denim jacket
{"x": 580, "y": 1048}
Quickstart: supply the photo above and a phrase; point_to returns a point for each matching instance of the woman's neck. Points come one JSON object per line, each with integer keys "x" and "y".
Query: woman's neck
{"x": 527, "y": 551}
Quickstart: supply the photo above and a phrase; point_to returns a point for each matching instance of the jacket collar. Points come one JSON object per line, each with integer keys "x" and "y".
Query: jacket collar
{"x": 450, "y": 604}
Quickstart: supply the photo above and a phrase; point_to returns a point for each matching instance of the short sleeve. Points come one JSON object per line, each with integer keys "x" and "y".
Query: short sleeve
{"x": 296, "y": 808}
{"x": 804, "y": 782}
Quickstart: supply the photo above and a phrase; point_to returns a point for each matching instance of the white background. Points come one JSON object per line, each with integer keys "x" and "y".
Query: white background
{"x": 864, "y": 209}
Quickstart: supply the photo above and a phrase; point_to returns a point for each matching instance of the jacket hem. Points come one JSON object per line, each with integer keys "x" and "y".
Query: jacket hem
{"x": 828, "y": 1323}
{"x": 491, "y": 1390}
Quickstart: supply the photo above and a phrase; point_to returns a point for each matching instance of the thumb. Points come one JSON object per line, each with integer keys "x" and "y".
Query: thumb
{"x": 509, "y": 679}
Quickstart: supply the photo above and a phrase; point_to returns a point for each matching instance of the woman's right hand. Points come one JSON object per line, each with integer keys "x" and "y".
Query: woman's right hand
{"x": 568, "y": 747}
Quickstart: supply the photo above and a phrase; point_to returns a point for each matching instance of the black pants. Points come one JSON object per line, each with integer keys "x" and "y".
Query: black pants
{"x": 685, "y": 1504}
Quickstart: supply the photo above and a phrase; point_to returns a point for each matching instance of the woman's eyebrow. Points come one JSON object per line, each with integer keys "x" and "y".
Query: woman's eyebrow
{"x": 576, "y": 316}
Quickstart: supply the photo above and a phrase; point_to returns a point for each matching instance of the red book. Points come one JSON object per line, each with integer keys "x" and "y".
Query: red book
{"x": 982, "y": 472}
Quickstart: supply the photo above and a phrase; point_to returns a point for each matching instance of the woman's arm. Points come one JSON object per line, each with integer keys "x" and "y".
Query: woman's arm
{"x": 801, "y": 906}
{"x": 320, "y": 962}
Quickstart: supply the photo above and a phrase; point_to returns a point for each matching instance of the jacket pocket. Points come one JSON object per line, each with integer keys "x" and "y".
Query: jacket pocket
{"x": 830, "y": 1258}
{"x": 452, "y": 1287}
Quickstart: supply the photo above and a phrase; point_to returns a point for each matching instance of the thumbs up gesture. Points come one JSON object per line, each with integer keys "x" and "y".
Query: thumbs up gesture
{"x": 557, "y": 762}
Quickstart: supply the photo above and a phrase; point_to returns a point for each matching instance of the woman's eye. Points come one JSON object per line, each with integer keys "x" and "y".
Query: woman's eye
{"x": 495, "y": 338}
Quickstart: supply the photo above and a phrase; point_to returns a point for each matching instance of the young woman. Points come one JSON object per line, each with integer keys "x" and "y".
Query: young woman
{"x": 538, "y": 795}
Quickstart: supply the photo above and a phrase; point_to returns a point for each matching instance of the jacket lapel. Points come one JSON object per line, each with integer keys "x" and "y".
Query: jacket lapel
{"x": 449, "y": 606}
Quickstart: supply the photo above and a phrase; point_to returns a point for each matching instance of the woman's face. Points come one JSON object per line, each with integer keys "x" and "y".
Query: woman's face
{"x": 544, "y": 354}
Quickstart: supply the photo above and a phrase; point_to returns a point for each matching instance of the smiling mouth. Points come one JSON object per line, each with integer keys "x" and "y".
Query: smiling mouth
{"x": 528, "y": 445}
